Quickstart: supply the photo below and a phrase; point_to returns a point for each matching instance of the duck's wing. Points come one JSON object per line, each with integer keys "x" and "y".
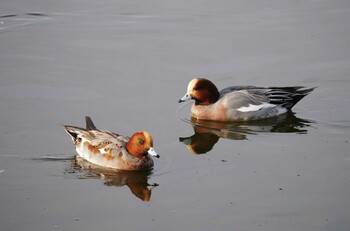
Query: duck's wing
{"x": 246, "y": 100}
{"x": 285, "y": 97}
{"x": 96, "y": 138}
{"x": 89, "y": 124}
{"x": 106, "y": 139}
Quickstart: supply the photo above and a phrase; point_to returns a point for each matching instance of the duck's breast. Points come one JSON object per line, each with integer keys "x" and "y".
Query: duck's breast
{"x": 216, "y": 111}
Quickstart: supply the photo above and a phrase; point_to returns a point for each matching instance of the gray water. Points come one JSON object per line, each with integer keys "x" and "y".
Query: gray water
{"x": 126, "y": 64}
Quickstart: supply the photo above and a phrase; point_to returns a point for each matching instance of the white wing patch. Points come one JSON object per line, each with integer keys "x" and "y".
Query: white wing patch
{"x": 252, "y": 107}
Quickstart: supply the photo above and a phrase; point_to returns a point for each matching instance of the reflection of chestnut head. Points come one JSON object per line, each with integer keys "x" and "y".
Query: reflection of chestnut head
{"x": 200, "y": 143}
{"x": 142, "y": 191}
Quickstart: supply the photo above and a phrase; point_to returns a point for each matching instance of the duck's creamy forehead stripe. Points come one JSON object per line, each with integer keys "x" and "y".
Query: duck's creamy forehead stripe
{"x": 191, "y": 85}
{"x": 252, "y": 107}
{"x": 148, "y": 137}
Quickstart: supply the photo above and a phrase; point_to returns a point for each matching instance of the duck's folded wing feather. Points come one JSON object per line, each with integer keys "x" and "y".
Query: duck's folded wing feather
{"x": 102, "y": 139}
{"x": 284, "y": 96}
{"x": 245, "y": 98}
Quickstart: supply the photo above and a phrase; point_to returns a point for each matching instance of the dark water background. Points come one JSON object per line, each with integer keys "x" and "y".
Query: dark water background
{"x": 126, "y": 64}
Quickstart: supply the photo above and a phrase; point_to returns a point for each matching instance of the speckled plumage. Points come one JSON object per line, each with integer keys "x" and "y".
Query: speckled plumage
{"x": 111, "y": 150}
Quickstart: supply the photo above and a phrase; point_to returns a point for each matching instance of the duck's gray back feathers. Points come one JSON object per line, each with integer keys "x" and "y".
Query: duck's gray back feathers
{"x": 285, "y": 97}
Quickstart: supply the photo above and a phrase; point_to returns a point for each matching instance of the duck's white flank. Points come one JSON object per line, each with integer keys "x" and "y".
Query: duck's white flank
{"x": 252, "y": 107}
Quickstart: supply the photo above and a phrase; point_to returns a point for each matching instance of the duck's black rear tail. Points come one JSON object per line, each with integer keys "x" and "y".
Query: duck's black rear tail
{"x": 288, "y": 96}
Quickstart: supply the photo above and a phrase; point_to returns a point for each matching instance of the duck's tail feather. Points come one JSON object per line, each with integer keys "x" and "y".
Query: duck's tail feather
{"x": 74, "y": 131}
{"x": 288, "y": 96}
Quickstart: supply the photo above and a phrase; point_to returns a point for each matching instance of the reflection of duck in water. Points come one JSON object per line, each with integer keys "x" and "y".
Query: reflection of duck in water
{"x": 207, "y": 133}
{"x": 137, "y": 181}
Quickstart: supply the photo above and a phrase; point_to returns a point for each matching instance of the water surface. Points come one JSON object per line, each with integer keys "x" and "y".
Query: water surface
{"x": 126, "y": 64}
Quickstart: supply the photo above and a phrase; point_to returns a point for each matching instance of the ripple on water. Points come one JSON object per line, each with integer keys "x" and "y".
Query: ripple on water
{"x": 12, "y": 21}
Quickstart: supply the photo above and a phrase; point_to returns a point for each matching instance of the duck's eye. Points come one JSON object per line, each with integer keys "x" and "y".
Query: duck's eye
{"x": 198, "y": 88}
{"x": 141, "y": 141}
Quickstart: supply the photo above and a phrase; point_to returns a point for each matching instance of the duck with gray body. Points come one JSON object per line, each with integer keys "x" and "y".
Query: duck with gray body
{"x": 241, "y": 103}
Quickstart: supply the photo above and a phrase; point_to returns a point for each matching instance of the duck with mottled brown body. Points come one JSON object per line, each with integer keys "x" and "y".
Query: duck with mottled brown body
{"x": 111, "y": 150}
